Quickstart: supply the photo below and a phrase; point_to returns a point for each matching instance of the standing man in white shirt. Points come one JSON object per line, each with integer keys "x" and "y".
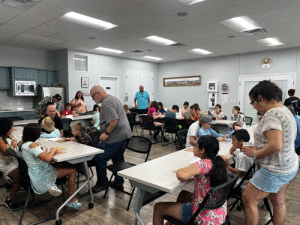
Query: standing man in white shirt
{"x": 142, "y": 101}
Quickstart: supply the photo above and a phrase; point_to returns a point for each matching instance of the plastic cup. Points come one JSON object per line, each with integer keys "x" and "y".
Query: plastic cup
{"x": 247, "y": 144}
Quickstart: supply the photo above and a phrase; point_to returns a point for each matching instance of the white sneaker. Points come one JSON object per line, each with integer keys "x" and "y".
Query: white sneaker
{"x": 55, "y": 191}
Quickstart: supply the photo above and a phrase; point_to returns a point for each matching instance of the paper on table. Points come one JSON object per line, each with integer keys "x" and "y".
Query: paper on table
{"x": 54, "y": 139}
{"x": 190, "y": 149}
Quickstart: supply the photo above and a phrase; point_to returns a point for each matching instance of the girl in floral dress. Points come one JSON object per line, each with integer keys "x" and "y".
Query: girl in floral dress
{"x": 209, "y": 171}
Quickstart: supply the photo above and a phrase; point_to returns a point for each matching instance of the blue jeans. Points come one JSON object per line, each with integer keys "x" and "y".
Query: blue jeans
{"x": 81, "y": 114}
{"x": 114, "y": 152}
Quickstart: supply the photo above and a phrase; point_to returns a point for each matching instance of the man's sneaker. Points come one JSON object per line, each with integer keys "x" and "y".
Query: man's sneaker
{"x": 75, "y": 205}
{"x": 55, "y": 191}
{"x": 8, "y": 203}
{"x": 165, "y": 140}
{"x": 97, "y": 189}
{"x": 116, "y": 186}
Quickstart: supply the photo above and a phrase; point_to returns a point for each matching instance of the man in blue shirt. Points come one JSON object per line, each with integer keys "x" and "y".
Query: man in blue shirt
{"x": 142, "y": 99}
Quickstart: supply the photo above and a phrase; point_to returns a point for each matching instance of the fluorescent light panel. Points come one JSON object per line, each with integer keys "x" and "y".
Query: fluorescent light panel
{"x": 109, "y": 50}
{"x": 241, "y": 24}
{"x": 200, "y": 51}
{"x": 270, "y": 42}
{"x": 190, "y": 2}
{"x": 151, "y": 57}
{"x": 160, "y": 40}
{"x": 87, "y": 21}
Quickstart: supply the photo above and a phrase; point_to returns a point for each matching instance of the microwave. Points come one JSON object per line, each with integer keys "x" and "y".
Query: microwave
{"x": 25, "y": 88}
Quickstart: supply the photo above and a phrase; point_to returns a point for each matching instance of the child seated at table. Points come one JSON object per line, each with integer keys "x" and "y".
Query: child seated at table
{"x": 68, "y": 111}
{"x": 49, "y": 126}
{"x": 195, "y": 112}
{"x": 242, "y": 162}
{"x": 205, "y": 124}
{"x": 79, "y": 135}
{"x": 126, "y": 108}
{"x": 8, "y": 164}
{"x": 96, "y": 118}
{"x": 185, "y": 108}
{"x": 161, "y": 109}
{"x": 153, "y": 111}
{"x": 209, "y": 171}
{"x": 172, "y": 113}
{"x": 42, "y": 174}
{"x": 218, "y": 114}
{"x": 238, "y": 117}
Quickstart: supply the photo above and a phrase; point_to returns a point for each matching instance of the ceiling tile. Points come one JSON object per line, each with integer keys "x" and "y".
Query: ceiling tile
{"x": 9, "y": 11}
{"x": 24, "y": 23}
{"x": 48, "y": 10}
{"x": 45, "y": 30}
{"x": 33, "y": 17}
{"x": 68, "y": 4}
{"x": 159, "y": 6}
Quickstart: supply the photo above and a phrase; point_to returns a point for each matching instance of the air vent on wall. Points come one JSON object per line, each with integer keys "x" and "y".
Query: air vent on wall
{"x": 178, "y": 45}
{"x": 19, "y": 3}
{"x": 137, "y": 52}
{"x": 255, "y": 31}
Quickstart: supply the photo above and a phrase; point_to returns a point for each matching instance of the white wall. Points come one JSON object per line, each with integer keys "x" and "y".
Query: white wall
{"x": 22, "y": 57}
{"x": 104, "y": 66}
{"x": 224, "y": 69}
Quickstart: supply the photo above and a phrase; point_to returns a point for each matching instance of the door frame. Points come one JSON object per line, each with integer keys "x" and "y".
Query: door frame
{"x": 260, "y": 77}
{"x": 118, "y": 87}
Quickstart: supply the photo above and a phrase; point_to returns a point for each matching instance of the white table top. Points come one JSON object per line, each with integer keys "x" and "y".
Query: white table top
{"x": 225, "y": 122}
{"x": 74, "y": 150}
{"x": 25, "y": 122}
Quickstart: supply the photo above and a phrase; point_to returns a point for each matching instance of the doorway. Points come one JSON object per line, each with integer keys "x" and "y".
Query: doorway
{"x": 283, "y": 81}
{"x": 110, "y": 85}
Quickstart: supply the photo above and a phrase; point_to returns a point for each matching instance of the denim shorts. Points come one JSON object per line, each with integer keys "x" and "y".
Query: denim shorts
{"x": 186, "y": 212}
{"x": 268, "y": 181}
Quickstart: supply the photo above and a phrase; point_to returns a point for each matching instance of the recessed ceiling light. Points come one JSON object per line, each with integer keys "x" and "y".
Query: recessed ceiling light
{"x": 109, "y": 50}
{"x": 270, "y": 42}
{"x": 87, "y": 21}
{"x": 160, "y": 40}
{"x": 92, "y": 38}
{"x": 200, "y": 51}
{"x": 151, "y": 57}
{"x": 190, "y": 2}
{"x": 181, "y": 14}
{"x": 231, "y": 36}
{"x": 241, "y": 24}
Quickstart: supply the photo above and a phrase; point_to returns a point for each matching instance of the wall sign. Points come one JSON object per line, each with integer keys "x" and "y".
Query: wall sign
{"x": 84, "y": 82}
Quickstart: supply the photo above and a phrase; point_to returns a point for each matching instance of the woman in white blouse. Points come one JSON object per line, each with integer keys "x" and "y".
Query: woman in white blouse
{"x": 218, "y": 114}
{"x": 274, "y": 150}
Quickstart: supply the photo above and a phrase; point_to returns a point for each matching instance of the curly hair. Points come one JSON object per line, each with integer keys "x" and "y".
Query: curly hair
{"x": 266, "y": 89}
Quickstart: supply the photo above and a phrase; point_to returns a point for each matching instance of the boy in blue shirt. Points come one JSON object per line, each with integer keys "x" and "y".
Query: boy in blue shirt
{"x": 205, "y": 124}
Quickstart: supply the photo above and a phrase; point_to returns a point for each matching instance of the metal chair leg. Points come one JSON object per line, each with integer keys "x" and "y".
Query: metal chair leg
{"x": 108, "y": 186}
{"x": 26, "y": 203}
{"x": 130, "y": 199}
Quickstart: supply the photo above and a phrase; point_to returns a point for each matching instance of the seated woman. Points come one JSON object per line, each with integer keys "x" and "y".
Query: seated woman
{"x": 161, "y": 109}
{"x": 78, "y": 104}
{"x": 218, "y": 114}
{"x": 209, "y": 171}
{"x": 153, "y": 111}
{"x": 239, "y": 118}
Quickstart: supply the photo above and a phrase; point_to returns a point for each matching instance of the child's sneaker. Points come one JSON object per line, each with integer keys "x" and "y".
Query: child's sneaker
{"x": 8, "y": 203}
{"x": 55, "y": 191}
{"x": 75, "y": 205}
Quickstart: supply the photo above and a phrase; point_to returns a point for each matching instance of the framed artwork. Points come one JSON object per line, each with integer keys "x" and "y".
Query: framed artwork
{"x": 84, "y": 82}
{"x": 182, "y": 81}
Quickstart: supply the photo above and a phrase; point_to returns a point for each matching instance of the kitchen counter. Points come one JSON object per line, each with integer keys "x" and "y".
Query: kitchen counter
{"x": 15, "y": 110}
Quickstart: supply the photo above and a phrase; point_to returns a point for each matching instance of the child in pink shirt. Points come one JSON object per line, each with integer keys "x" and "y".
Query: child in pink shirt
{"x": 209, "y": 171}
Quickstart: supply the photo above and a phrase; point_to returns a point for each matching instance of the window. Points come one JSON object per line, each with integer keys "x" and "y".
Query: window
{"x": 80, "y": 63}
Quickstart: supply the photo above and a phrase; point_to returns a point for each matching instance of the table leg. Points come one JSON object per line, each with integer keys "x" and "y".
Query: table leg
{"x": 138, "y": 204}
{"x": 86, "y": 171}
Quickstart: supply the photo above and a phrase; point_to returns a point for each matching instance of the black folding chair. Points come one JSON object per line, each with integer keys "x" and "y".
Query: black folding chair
{"x": 132, "y": 122}
{"x": 248, "y": 120}
{"x": 215, "y": 198}
{"x": 25, "y": 183}
{"x": 171, "y": 127}
{"x": 136, "y": 144}
{"x": 187, "y": 123}
{"x": 181, "y": 139}
{"x": 66, "y": 124}
{"x": 148, "y": 124}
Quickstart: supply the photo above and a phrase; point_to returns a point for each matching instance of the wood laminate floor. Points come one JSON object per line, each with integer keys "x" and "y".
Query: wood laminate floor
{"x": 112, "y": 210}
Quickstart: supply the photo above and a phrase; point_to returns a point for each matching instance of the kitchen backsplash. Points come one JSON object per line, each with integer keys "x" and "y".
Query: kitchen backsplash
{"x": 25, "y": 102}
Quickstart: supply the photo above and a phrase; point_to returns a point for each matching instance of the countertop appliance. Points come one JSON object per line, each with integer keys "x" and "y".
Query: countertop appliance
{"x": 25, "y": 88}
{"x": 51, "y": 91}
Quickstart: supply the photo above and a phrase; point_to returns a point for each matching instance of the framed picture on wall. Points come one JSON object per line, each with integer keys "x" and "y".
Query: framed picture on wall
{"x": 84, "y": 82}
{"x": 182, "y": 81}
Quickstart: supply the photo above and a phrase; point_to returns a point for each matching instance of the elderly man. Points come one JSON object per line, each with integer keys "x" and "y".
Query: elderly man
{"x": 142, "y": 100}
{"x": 51, "y": 112}
{"x": 115, "y": 130}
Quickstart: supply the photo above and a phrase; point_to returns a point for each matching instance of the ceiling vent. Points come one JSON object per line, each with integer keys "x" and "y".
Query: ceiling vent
{"x": 20, "y": 4}
{"x": 137, "y": 52}
{"x": 255, "y": 31}
{"x": 178, "y": 44}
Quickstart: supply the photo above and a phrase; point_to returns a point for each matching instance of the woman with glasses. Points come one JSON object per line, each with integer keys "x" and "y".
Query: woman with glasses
{"x": 274, "y": 151}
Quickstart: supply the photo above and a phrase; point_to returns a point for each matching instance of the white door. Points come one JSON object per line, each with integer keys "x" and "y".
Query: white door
{"x": 133, "y": 81}
{"x": 283, "y": 81}
{"x": 147, "y": 80}
{"x": 110, "y": 85}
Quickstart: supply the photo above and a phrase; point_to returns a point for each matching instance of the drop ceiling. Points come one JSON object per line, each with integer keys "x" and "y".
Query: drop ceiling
{"x": 137, "y": 19}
